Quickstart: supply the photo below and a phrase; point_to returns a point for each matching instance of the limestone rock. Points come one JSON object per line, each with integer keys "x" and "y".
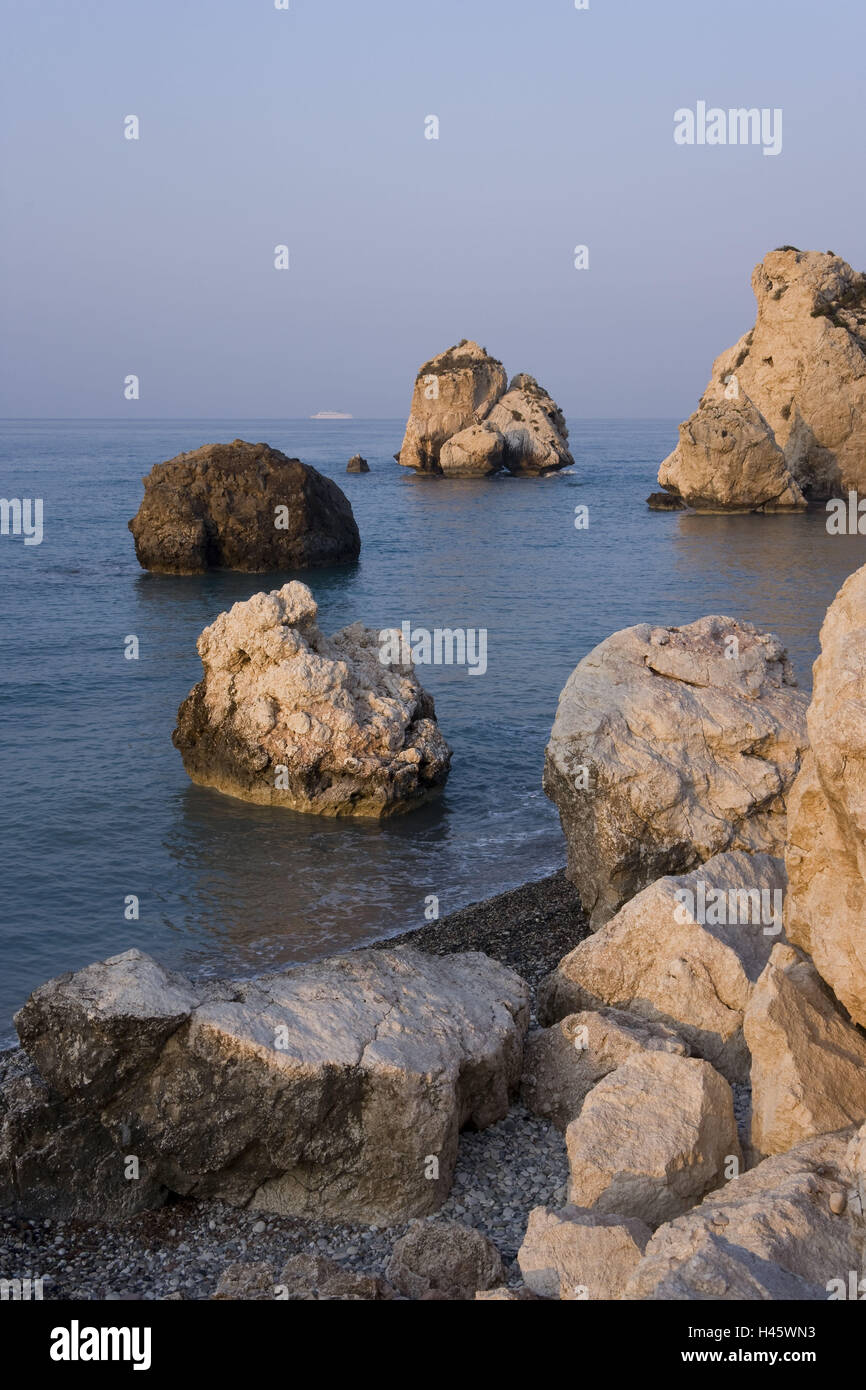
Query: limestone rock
{"x": 503, "y": 1294}
{"x": 248, "y": 1282}
{"x": 321, "y": 1092}
{"x": 357, "y": 465}
{"x": 770, "y": 1234}
{"x": 808, "y": 1062}
{"x": 561, "y": 1064}
{"x": 728, "y": 460}
{"x": 802, "y": 370}
{"x": 533, "y": 427}
{"x": 658, "y": 961}
{"x": 446, "y": 1258}
{"x": 825, "y": 912}
{"x": 671, "y": 745}
{"x": 474, "y": 452}
{"x": 452, "y": 391}
{"x": 575, "y": 1255}
{"x": 652, "y": 1139}
{"x": 317, "y": 1278}
{"x": 241, "y": 506}
{"x": 285, "y": 716}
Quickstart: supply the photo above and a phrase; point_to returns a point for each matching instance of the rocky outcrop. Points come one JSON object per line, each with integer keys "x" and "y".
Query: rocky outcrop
{"x": 784, "y": 416}
{"x": 463, "y": 422}
{"x": 285, "y": 716}
{"x": 335, "y": 1090}
{"x": 790, "y": 1229}
{"x": 825, "y": 912}
{"x": 808, "y": 1062}
{"x": 665, "y": 502}
{"x": 357, "y": 464}
{"x": 576, "y": 1255}
{"x": 241, "y": 506}
{"x": 671, "y": 745}
{"x": 652, "y": 1139}
{"x": 561, "y": 1064}
{"x": 445, "y": 1258}
{"x": 685, "y": 953}
{"x": 319, "y": 1279}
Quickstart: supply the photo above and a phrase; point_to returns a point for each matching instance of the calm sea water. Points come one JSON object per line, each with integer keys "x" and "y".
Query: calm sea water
{"x": 95, "y": 801}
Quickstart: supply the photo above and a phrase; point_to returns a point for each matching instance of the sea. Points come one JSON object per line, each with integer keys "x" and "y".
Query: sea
{"x": 98, "y": 819}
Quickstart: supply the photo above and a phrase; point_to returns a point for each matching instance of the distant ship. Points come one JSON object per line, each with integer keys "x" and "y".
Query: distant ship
{"x": 331, "y": 415}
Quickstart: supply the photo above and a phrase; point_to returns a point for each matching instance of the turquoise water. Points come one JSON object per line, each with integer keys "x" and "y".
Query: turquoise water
{"x": 96, "y": 805}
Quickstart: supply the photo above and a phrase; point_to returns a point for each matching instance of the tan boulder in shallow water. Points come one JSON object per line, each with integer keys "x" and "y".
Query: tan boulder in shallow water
{"x": 825, "y": 912}
{"x": 285, "y": 716}
{"x": 453, "y": 391}
{"x": 671, "y": 745}
{"x": 796, "y": 381}
{"x": 533, "y": 427}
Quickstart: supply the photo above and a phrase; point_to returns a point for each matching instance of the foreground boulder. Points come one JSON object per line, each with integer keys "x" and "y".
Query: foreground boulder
{"x": 443, "y": 1257}
{"x": 790, "y": 1229}
{"x": 784, "y": 416}
{"x": 561, "y": 1064}
{"x": 685, "y": 953}
{"x": 574, "y": 1254}
{"x": 319, "y": 1279}
{"x": 464, "y": 423}
{"x": 241, "y": 506}
{"x": 332, "y": 1091}
{"x": 285, "y": 716}
{"x": 825, "y": 912}
{"x": 808, "y": 1062}
{"x": 671, "y": 745}
{"x": 652, "y": 1138}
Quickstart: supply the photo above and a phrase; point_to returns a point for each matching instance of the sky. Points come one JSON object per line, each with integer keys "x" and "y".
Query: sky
{"x": 305, "y": 127}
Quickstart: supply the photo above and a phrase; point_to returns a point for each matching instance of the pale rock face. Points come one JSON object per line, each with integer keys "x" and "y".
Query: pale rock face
{"x": 576, "y": 1255}
{"x": 666, "y": 751}
{"x": 808, "y": 1062}
{"x": 561, "y": 1064}
{"x": 652, "y": 1139}
{"x": 445, "y": 1258}
{"x": 472, "y": 453}
{"x": 782, "y": 1232}
{"x": 654, "y": 960}
{"x": 321, "y": 1092}
{"x": 452, "y": 392}
{"x": 533, "y": 427}
{"x": 353, "y": 736}
{"x": 825, "y": 912}
{"x": 802, "y": 369}
{"x": 727, "y": 460}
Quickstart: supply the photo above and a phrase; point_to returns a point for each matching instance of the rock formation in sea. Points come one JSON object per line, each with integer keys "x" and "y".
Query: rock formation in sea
{"x": 671, "y": 745}
{"x": 783, "y": 419}
{"x": 285, "y": 716}
{"x": 244, "y": 507}
{"x": 357, "y": 464}
{"x": 465, "y": 419}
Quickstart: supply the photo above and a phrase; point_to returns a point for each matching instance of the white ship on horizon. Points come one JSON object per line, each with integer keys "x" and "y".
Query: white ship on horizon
{"x": 331, "y": 415}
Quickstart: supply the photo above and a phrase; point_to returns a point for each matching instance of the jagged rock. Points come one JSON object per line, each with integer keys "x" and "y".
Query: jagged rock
{"x": 444, "y": 1258}
{"x": 241, "y": 506}
{"x": 825, "y": 912}
{"x": 285, "y": 716}
{"x": 575, "y": 1255}
{"x": 357, "y": 465}
{"x": 655, "y": 959}
{"x": 251, "y": 1282}
{"x": 561, "y": 1064}
{"x": 452, "y": 391}
{"x": 728, "y": 460}
{"x": 317, "y": 1278}
{"x": 652, "y": 1139}
{"x": 808, "y": 1062}
{"x": 770, "y": 1234}
{"x": 671, "y": 745}
{"x": 471, "y": 453}
{"x": 665, "y": 502}
{"x": 57, "y": 1160}
{"x": 325, "y": 1092}
{"x": 503, "y": 1294}
{"x": 801, "y": 371}
{"x": 533, "y": 428}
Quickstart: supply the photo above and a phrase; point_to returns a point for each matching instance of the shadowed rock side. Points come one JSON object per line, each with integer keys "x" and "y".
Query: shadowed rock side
{"x": 285, "y": 716}
{"x": 783, "y": 420}
{"x": 244, "y": 507}
{"x": 464, "y": 423}
{"x": 671, "y": 745}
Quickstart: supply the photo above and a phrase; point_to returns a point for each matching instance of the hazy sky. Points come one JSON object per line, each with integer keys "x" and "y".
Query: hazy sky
{"x": 307, "y": 127}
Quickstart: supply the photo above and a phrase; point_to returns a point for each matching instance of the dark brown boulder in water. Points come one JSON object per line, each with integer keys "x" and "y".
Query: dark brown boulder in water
{"x": 357, "y": 465}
